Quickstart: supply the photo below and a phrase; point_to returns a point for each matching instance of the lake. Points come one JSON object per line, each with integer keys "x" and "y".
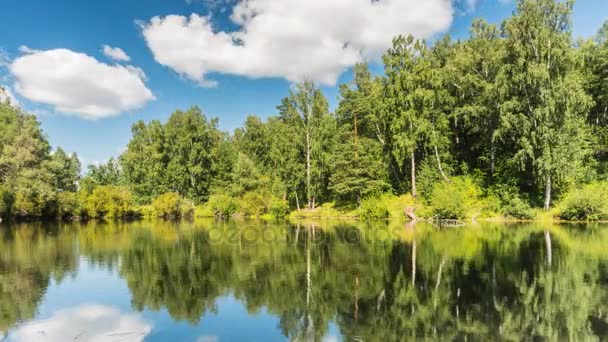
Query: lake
{"x": 209, "y": 281}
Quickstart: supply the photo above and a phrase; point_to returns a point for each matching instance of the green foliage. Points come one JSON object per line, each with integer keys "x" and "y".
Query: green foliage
{"x": 68, "y": 205}
{"x": 457, "y": 198}
{"x": 223, "y": 205}
{"x": 373, "y": 209}
{"x": 109, "y": 202}
{"x": 587, "y": 203}
{"x": 512, "y": 205}
{"x": 252, "y": 204}
{"x": 520, "y": 104}
{"x": 177, "y": 156}
{"x": 171, "y": 205}
{"x": 278, "y": 208}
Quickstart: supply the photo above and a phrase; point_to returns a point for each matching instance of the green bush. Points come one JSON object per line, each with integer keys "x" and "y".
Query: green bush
{"x": 517, "y": 208}
{"x": 373, "y": 208}
{"x": 109, "y": 202}
{"x": 456, "y": 199}
{"x": 68, "y": 205}
{"x": 278, "y": 208}
{"x": 588, "y": 203}
{"x": 203, "y": 211}
{"x": 223, "y": 205}
{"x": 512, "y": 205}
{"x": 167, "y": 205}
{"x": 252, "y": 204}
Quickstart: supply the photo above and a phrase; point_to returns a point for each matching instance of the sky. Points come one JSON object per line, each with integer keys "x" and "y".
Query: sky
{"x": 90, "y": 69}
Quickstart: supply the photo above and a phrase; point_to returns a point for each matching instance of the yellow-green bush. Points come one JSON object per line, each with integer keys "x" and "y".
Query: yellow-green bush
{"x": 385, "y": 206}
{"x": 223, "y": 205}
{"x": 457, "y": 198}
{"x": 171, "y": 205}
{"x": 68, "y": 205}
{"x": 109, "y": 202}
{"x": 373, "y": 209}
{"x": 203, "y": 211}
{"x": 252, "y": 204}
{"x": 325, "y": 210}
{"x": 588, "y": 203}
{"x": 278, "y": 208}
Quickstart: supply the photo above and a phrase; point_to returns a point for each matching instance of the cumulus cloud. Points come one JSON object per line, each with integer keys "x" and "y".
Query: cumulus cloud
{"x": 291, "y": 39}
{"x": 85, "y": 323}
{"x": 116, "y": 53}
{"x": 75, "y": 83}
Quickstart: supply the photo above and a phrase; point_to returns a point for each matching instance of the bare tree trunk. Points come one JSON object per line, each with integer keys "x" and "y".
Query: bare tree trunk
{"x": 308, "y": 197}
{"x": 548, "y": 193}
{"x": 413, "y": 174}
{"x": 297, "y": 200}
{"x": 439, "y": 165}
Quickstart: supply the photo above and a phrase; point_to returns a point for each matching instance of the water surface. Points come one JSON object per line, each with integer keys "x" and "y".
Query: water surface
{"x": 325, "y": 281}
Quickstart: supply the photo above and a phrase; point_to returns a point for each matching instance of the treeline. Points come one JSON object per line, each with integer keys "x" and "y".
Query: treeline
{"x": 508, "y": 120}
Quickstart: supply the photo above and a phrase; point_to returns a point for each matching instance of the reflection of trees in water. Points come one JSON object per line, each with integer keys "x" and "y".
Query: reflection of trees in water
{"x": 483, "y": 283}
{"x": 29, "y": 258}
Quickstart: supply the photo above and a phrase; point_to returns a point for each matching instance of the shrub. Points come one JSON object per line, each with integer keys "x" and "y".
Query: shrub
{"x": 204, "y": 210}
{"x": 517, "y": 208}
{"x": 223, "y": 205}
{"x": 252, "y": 204}
{"x": 512, "y": 205}
{"x": 167, "y": 205}
{"x": 325, "y": 210}
{"x": 68, "y": 205}
{"x": 109, "y": 202}
{"x": 146, "y": 211}
{"x": 456, "y": 198}
{"x": 373, "y": 208}
{"x": 278, "y": 208}
{"x": 587, "y": 203}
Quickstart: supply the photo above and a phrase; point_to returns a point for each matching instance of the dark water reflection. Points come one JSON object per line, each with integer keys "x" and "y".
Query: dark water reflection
{"x": 209, "y": 281}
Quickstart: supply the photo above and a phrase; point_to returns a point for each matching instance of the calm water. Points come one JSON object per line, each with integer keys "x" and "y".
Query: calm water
{"x": 252, "y": 281}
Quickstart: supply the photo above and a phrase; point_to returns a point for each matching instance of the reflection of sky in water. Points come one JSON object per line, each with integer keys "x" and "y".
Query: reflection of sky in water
{"x": 95, "y": 305}
{"x": 88, "y": 322}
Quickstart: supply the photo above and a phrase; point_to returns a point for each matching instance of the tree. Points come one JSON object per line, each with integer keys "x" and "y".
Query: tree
{"x": 357, "y": 169}
{"x": 544, "y": 101}
{"x": 415, "y": 93}
{"x": 66, "y": 169}
{"x": 307, "y": 111}
{"x": 476, "y": 118}
{"x": 104, "y": 174}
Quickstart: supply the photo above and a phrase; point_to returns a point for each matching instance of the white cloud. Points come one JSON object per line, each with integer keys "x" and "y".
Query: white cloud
{"x": 291, "y": 39}
{"x": 27, "y": 50}
{"x": 93, "y": 323}
{"x": 116, "y": 53}
{"x": 75, "y": 83}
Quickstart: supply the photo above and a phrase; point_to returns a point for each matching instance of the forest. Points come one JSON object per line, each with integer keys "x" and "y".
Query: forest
{"x": 511, "y": 122}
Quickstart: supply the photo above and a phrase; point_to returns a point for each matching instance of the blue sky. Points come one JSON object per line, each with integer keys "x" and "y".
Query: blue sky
{"x": 179, "y": 67}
